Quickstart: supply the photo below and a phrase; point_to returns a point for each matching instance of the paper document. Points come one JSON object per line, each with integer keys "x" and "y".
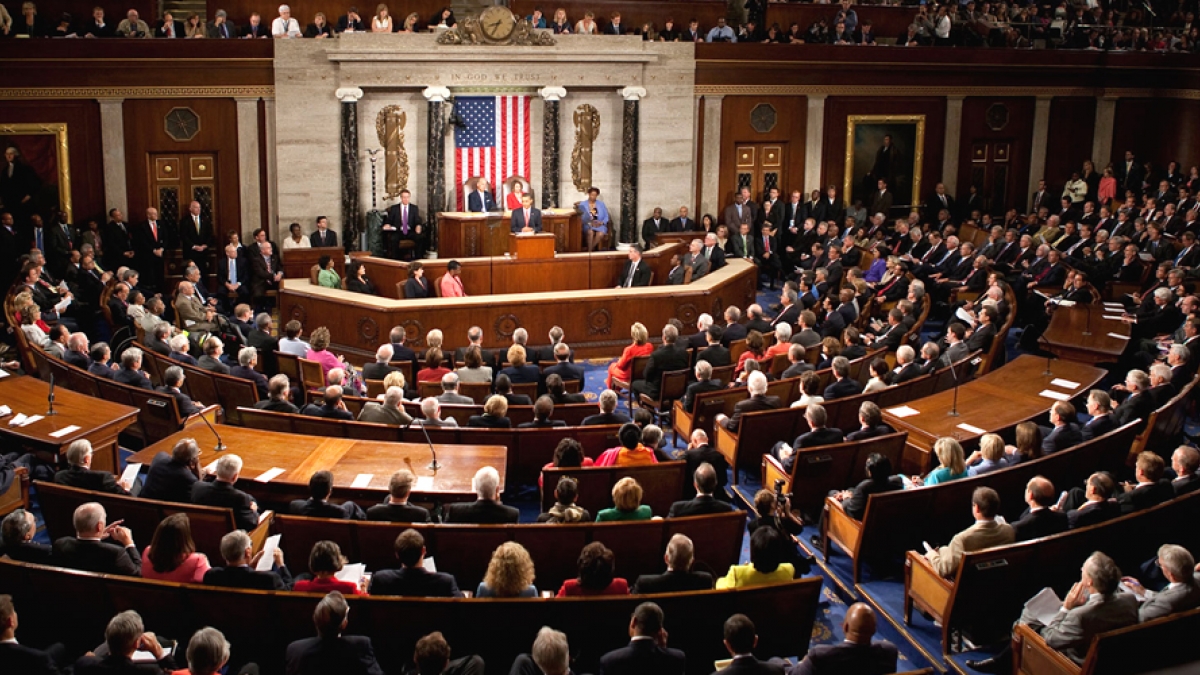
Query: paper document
{"x": 1114, "y": 305}
{"x": 1044, "y": 606}
{"x": 5, "y": 411}
{"x": 1110, "y": 317}
{"x": 1065, "y": 384}
{"x": 270, "y": 475}
{"x": 972, "y": 429}
{"x": 268, "y": 553}
{"x": 17, "y": 420}
{"x": 903, "y": 411}
{"x": 64, "y": 431}
{"x": 31, "y": 419}
{"x": 352, "y": 573}
{"x": 1118, "y": 336}
{"x": 144, "y": 657}
{"x": 962, "y": 314}
{"x": 212, "y": 467}
{"x": 928, "y": 548}
{"x": 1056, "y": 395}
{"x": 1063, "y": 303}
{"x": 130, "y": 473}
{"x": 429, "y": 565}
{"x": 3, "y": 373}
{"x": 424, "y": 483}
{"x": 362, "y": 480}
{"x": 1125, "y": 587}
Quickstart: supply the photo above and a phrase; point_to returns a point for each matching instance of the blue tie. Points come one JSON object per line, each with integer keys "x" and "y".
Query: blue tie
{"x": 233, "y": 272}
{"x": 40, "y": 246}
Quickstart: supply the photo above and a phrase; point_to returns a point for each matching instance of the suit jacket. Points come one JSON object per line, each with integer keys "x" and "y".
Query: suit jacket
{"x": 567, "y": 371}
{"x": 31, "y": 552}
{"x": 833, "y": 325}
{"x": 1061, "y": 438}
{"x": 278, "y": 579}
{"x": 603, "y": 418}
{"x": 716, "y": 355}
{"x": 243, "y": 273}
{"x": 1040, "y": 523}
{"x": 262, "y": 280}
{"x": 230, "y": 32}
{"x": 100, "y": 370}
{"x": 650, "y": 230}
{"x": 845, "y": 658}
{"x": 212, "y": 365}
{"x": 398, "y": 513}
{"x": 1071, "y": 631}
{"x": 699, "y": 264}
{"x": 103, "y": 557}
{"x": 321, "y": 410}
{"x": 89, "y": 479}
{"x": 481, "y": 511}
{"x": 789, "y": 315}
{"x": 318, "y": 240}
{"x": 518, "y": 220}
{"x": 702, "y": 505}
{"x": 735, "y": 332}
{"x": 168, "y": 480}
{"x": 492, "y": 422}
{"x": 1097, "y": 426}
{"x": 189, "y": 237}
{"x": 1186, "y": 484}
{"x": 161, "y": 30}
{"x": 225, "y": 495}
{"x": 734, "y": 220}
{"x": 715, "y": 257}
{"x": 856, "y": 505}
{"x": 415, "y": 582}
{"x": 323, "y": 509}
{"x": 672, "y": 581}
{"x": 1135, "y": 407}
{"x": 641, "y": 276}
{"x": 983, "y": 534}
{"x": 662, "y": 360}
{"x": 1168, "y": 601}
{"x": 842, "y": 388}
{"x": 1092, "y": 513}
{"x": 741, "y": 249}
{"x": 477, "y": 204}
{"x": 643, "y": 657}
{"x": 381, "y": 414}
{"x": 680, "y": 225}
{"x": 247, "y": 373}
{"x": 121, "y": 665}
{"x": 880, "y": 202}
{"x": 187, "y": 407}
{"x": 751, "y": 665}
{"x": 26, "y": 660}
{"x": 345, "y": 654}
{"x": 1145, "y": 496}
{"x": 752, "y": 404}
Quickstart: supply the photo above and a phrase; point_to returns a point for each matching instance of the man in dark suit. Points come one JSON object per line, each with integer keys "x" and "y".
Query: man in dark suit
{"x": 233, "y": 276}
{"x": 1129, "y": 174}
{"x": 245, "y": 370}
{"x": 99, "y": 365}
{"x": 16, "y": 657}
{"x": 151, "y": 239}
{"x": 683, "y": 223}
{"x": 652, "y": 226}
{"x": 222, "y": 493}
{"x": 266, "y": 270}
{"x": 330, "y": 651}
{"x": 1063, "y": 432}
{"x": 527, "y": 219}
{"x": 734, "y": 330}
{"x": 704, "y": 383}
{"x": 123, "y": 638}
{"x": 755, "y": 320}
{"x": 79, "y": 473}
{"x": 844, "y": 385}
{"x": 1185, "y": 461}
{"x": 221, "y": 28}
{"x": 635, "y": 272}
{"x": 172, "y": 381}
{"x": 607, "y": 414}
{"x": 480, "y": 199}
{"x": 667, "y": 358}
{"x": 1138, "y": 405}
{"x": 712, "y": 350}
{"x": 412, "y": 579}
{"x": 880, "y": 478}
{"x": 396, "y": 508}
{"x": 647, "y": 651}
{"x": 737, "y": 214}
{"x": 323, "y": 237}
{"x": 1039, "y": 520}
{"x": 704, "y": 503}
{"x": 60, "y": 241}
{"x": 829, "y": 207}
{"x": 320, "y": 486}
{"x": 857, "y": 653}
{"x": 1097, "y": 506}
{"x": 196, "y": 237}
{"x": 679, "y": 576}
{"x": 563, "y": 366}
{"x": 118, "y": 242}
{"x": 1151, "y": 489}
{"x": 1042, "y": 199}
{"x": 817, "y": 435}
{"x": 740, "y": 641}
{"x": 487, "y": 509}
{"x": 1099, "y": 406}
{"x": 89, "y": 551}
{"x": 331, "y": 407}
{"x": 756, "y": 384}
{"x": 403, "y": 223}
{"x": 172, "y": 476}
{"x": 240, "y": 562}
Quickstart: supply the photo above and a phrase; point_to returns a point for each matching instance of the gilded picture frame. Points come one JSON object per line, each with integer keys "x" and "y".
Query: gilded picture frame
{"x": 864, "y": 140}
{"x": 47, "y": 162}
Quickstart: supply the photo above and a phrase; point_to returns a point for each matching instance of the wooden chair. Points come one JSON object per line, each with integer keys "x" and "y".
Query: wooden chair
{"x": 374, "y": 388}
{"x": 672, "y": 386}
{"x": 529, "y": 389}
{"x": 289, "y": 364}
{"x": 435, "y": 289}
{"x": 478, "y": 391}
{"x": 428, "y": 389}
{"x": 311, "y": 374}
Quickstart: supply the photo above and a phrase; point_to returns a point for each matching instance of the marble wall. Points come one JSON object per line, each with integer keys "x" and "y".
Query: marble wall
{"x": 395, "y": 69}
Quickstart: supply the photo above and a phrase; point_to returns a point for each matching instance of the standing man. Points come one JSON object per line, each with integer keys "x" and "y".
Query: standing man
{"x": 403, "y": 223}
{"x": 527, "y": 219}
{"x": 323, "y": 236}
{"x": 195, "y": 236}
{"x": 266, "y": 271}
{"x": 738, "y": 213}
{"x": 682, "y": 223}
{"x": 118, "y": 242}
{"x": 150, "y": 241}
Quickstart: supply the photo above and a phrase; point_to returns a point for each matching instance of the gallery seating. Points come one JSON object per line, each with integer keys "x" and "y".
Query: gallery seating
{"x": 662, "y": 484}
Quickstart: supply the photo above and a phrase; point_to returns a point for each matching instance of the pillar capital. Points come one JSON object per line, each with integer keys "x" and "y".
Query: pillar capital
{"x": 436, "y": 94}
{"x": 348, "y": 94}
{"x": 552, "y": 93}
{"x": 633, "y": 93}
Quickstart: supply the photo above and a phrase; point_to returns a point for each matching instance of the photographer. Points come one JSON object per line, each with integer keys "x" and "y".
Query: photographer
{"x": 771, "y": 510}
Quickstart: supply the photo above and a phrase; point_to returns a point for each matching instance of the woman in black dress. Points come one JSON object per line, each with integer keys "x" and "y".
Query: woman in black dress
{"x": 416, "y": 286}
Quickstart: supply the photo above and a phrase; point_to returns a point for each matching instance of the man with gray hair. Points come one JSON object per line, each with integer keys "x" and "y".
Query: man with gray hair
{"x": 89, "y": 551}
{"x": 17, "y": 531}
{"x": 756, "y": 384}
{"x": 221, "y": 27}
{"x": 330, "y": 651}
{"x": 208, "y": 654}
{"x": 172, "y": 381}
{"x": 240, "y": 566}
{"x": 607, "y": 414}
{"x": 695, "y": 260}
{"x": 381, "y": 368}
{"x": 667, "y": 358}
{"x": 79, "y": 472}
{"x": 700, "y": 339}
{"x": 278, "y": 390}
{"x": 844, "y": 385}
{"x": 159, "y": 339}
{"x": 172, "y": 476}
{"x": 331, "y": 406}
{"x": 125, "y": 635}
{"x": 222, "y": 493}
{"x": 1138, "y": 405}
{"x": 284, "y": 25}
{"x": 487, "y": 509}
{"x": 131, "y": 370}
{"x": 1183, "y": 585}
{"x": 704, "y": 383}
{"x": 387, "y": 412}
{"x": 180, "y": 346}
{"x": 76, "y": 352}
{"x": 245, "y": 370}
{"x": 551, "y": 655}
{"x": 214, "y": 348}
{"x": 679, "y": 576}
{"x": 450, "y": 393}
{"x": 431, "y": 414}
{"x": 906, "y": 367}
{"x": 704, "y": 479}
{"x": 562, "y": 365}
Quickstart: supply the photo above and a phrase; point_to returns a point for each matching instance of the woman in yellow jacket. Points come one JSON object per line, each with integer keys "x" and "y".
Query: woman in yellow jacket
{"x": 766, "y": 565}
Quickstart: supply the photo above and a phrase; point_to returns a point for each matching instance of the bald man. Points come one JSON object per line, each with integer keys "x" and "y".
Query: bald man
{"x": 856, "y": 654}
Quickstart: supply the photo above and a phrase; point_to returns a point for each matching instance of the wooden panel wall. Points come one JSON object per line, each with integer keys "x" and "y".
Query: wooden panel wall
{"x": 790, "y": 130}
{"x": 85, "y": 153}
{"x": 1158, "y": 130}
{"x": 1072, "y": 123}
{"x": 1019, "y": 130}
{"x": 145, "y": 134}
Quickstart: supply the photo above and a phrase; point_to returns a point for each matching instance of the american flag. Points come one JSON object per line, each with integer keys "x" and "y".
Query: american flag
{"x": 494, "y": 144}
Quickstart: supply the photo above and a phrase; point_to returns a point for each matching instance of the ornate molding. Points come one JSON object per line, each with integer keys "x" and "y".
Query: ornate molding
{"x": 599, "y": 322}
{"x": 414, "y": 332}
{"x": 898, "y": 91}
{"x": 506, "y": 325}
{"x": 436, "y": 94}
{"x": 552, "y": 93}
{"x": 633, "y": 93}
{"x": 368, "y": 330}
{"x": 137, "y": 92}
{"x": 348, "y": 94}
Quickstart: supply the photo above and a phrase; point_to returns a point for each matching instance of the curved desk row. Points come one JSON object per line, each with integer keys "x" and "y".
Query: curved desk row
{"x": 596, "y": 321}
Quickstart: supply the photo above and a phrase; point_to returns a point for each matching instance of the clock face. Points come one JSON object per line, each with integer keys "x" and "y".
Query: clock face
{"x": 182, "y": 124}
{"x": 497, "y": 23}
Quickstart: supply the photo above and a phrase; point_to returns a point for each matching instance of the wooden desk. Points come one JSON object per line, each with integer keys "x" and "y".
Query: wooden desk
{"x": 1081, "y": 333}
{"x": 298, "y": 261}
{"x": 302, "y": 456}
{"x": 531, "y": 246}
{"x": 596, "y": 321}
{"x": 997, "y": 401}
{"x": 99, "y": 421}
{"x": 463, "y": 234}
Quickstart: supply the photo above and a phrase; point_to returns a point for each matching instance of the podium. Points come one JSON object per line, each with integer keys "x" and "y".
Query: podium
{"x": 471, "y": 235}
{"x": 531, "y": 246}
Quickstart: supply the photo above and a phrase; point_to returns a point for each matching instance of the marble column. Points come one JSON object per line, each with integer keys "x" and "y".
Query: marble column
{"x": 952, "y": 144}
{"x": 1102, "y": 137}
{"x": 248, "y": 166}
{"x": 1041, "y": 136}
{"x": 814, "y": 139}
{"x": 631, "y": 121}
{"x": 351, "y": 218}
{"x": 550, "y": 143}
{"x": 112, "y": 144}
{"x": 435, "y": 160}
{"x": 272, "y": 224}
{"x": 710, "y": 157}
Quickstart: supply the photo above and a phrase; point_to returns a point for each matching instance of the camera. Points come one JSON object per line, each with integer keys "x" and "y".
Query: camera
{"x": 780, "y": 497}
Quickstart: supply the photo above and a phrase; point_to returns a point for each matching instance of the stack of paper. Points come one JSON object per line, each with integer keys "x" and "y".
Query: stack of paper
{"x": 352, "y": 573}
{"x": 268, "y": 553}
{"x": 903, "y": 411}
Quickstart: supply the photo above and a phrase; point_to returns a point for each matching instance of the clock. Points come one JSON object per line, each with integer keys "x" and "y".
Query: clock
{"x": 182, "y": 124}
{"x": 497, "y": 23}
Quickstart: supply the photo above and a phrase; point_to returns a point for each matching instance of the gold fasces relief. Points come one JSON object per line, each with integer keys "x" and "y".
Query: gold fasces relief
{"x": 587, "y": 128}
{"x": 389, "y": 126}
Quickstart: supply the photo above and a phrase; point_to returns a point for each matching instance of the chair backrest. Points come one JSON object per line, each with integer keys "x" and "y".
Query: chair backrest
{"x": 436, "y": 287}
{"x": 311, "y": 374}
{"x": 289, "y": 364}
{"x": 478, "y": 391}
{"x": 427, "y": 389}
{"x": 374, "y": 388}
{"x": 736, "y": 348}
{"x": 313, "y": 274}
{"x": 673, "y": 385}
{"x": 158, "y": 413}
{"x": 529, "y": 389}
{"x": 662, "y": 485}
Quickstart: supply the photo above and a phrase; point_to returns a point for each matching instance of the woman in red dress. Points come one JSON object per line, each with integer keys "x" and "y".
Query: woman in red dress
{"x": 513, "y": 201}
{"x": 622, "y": 368}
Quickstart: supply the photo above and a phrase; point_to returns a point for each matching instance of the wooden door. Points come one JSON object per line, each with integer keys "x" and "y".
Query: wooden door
{"x": 176, "y": 180}
{"x": 760, "y": 168}
{"x": 993, "y": 174}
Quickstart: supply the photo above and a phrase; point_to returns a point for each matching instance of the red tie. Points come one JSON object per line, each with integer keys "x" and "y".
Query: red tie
{"x": 154, "y": 229}
{"x": 526, "y": 217}
{"x": 766, "y": 244}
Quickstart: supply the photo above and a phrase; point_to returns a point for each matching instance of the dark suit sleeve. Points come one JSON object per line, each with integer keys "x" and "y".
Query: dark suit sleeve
{"x": 129, "y": 562}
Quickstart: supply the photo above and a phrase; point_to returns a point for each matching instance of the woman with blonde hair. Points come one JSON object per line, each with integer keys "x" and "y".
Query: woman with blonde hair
{"x": 989, "y": 457}
{"x": 627, "y": 503}
{"x": 410, "y": 23}
{"x": 561, "y": 25}
{"x": 494, "y": 414}
{"x": 395, "y": 379}
{"x": 518, "y": 371}
{"x": 510, "y": 574}
{"x": 382, "y": 23}
{"x": 622, "y": 368}
{"x": 952, "y": 465}
{"x": 586, "y": 25}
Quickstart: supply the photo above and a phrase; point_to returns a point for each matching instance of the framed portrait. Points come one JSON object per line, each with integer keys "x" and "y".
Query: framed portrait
{"x": 888, "y": 147}
{"x": 35, "y": 174}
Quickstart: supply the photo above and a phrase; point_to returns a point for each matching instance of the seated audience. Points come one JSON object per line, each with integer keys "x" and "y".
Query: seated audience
{"x": 432, "y": 654}
{"x": 493, "y": 417}
{"x": 208, "y": 654}
{"x": 647, "y": 651}
{"x": 817, "y": 435}
{"x": 627, "y": 503}
{"x": 324, "y": 562}
{"x": 486, "y": 509}
{"x": 1185, "y": 461}
{"x": 705, "y": 481}
{"x": 679, "y": 576}
{"x": 951, "y": 464}
{"x": 622, "y": 368}
{"x": 278, "y": 390}
{"x": 766, "y": 564}
{"x": 596, "y": 574}
{"x": 320, "y": 486}
{"x": 412, "y": 579}
{"x": 985, "y": 533}
{"x": 551, "y": 655}
{"x": 381, "y": 367}
{"x": 331, "y": 406}
{"x": 473, "y": 369}
{"x": 79, "y": 473}
{"x": 565, "y": 510}
{"x": 17, "y": 531}
{"x": 124, "y": 636}
{"x": 856, "y": 653}
{"x": 756, "y": 384}
{"x": 518, "y": 371}
{"x": 88, "y": 550}
{"x": 173, "y": 379}
{"x": 989, "y": 457}
{"x": 331, "y": 651}
{"x": 631, "y": 452}
{"x": 450, "y": 393}
{"x": 1093, "y": 504}
{"x": 504, "y": 388}
{"x": 241, "y": 563}
{"x": 389, "y": 411}
{"x": 1063, "y": 432}
{"x": 880, "y": 478}
{"x": 607, "y": 414}
{"x": 740, "y": 641}
{"x": 1040, "y": 519}
{"x": 1151, "y": 489}
{"x": 433, "y": 371}
{"x": 509, "y": 574}
{"x": 171, "y": 555}
{"x": 543, "y": 408}
{"x": 1183, "y": 589}
{"x": 221, "y": 493}
{"x": 396, "y": 508}
{"x": 431, "y": 414}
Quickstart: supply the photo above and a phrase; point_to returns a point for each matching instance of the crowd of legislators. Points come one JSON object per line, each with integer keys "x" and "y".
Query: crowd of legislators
{"x": 1161, "y": 26}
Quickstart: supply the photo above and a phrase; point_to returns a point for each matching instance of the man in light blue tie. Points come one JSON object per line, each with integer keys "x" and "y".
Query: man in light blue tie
{"x": 233, "y": 274}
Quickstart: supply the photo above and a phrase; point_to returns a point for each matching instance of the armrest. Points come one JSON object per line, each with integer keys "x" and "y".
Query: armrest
{"x": 726, "y": 443}
{"x": 213, "y": 413}
{"x": 17, "y": 495}
{"x": 772, "y": 471}
{"x": 1031, "y": 654}
{"x": 925, "y": 587}
{"x": 840, "y": 527}
{"x": 258, "y": 536}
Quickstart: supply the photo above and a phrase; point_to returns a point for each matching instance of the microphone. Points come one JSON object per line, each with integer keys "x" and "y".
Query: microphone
{"x": 50, "y": 398}
{"x": 220, "y": 445}
{"x": 433, "y": 466}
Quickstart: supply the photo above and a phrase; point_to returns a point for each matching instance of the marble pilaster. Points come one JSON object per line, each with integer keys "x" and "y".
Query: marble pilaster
{"x": 351, "y": 218}
{"x": 551, "y": 162}
{"x": 1041, "y": 136}
{"x": 272, "y": 223}
{"x": 248, "y": 168}
{"x": 435, "y": 159}
{"x": 814, "y": 140}
{"x": 953, "y": 141}
{"x": 710, "y": 156}
{"x": 112, "y": 144}
{"x": 1102, "y": 137}
{"x": 630, "y": 123}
